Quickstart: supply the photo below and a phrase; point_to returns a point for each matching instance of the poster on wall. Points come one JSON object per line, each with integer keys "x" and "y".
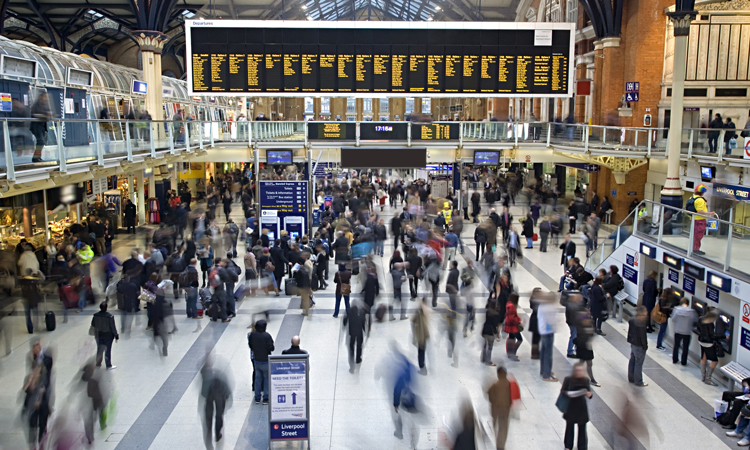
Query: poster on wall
{"x": 743, "y": 350}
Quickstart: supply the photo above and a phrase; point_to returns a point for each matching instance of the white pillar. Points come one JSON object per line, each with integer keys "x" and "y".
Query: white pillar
{"x": 672, "y": 192}
{"x": 131, "y": 188}
{"x": 141, "y": 200}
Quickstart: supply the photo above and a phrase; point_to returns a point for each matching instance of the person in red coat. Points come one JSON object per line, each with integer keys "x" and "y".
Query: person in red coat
{"x": 512, "y": 327}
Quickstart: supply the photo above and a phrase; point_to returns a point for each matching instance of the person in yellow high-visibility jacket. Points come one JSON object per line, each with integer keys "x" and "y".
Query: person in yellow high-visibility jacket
{"x": 697, "y": 204}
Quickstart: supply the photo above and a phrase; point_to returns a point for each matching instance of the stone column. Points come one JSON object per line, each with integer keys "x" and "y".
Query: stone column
{"x": 316, "y": 108}
{"x": 417, "y": 106}
{"x": 151, "y": 44}
{"x": 376, "y": 109}
{"x": 359, "y": 107}
{"x": 672, "y": 192}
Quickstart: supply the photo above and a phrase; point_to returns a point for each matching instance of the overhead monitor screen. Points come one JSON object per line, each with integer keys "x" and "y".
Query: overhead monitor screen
{"x": 278, "y": 157}
{"x": 386, "y": 157}
{"x": 407, "y": 59}
{"x": 486, "y": 158}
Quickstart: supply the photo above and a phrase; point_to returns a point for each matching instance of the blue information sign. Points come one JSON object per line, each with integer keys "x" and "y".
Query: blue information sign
{"x": 630, "y": 260}
{"x": 289, "y": 411}
{"x": 688, "y": 284}
{"x": 287, "y": 202}
{"x": 674, "y": 276}
{"x": 712, "y": 294}
{"x": 745, "y": 337}
{"x": 630, "y": 274}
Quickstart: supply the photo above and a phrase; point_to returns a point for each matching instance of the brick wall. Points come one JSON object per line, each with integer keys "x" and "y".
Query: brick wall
{"x": 603, "y": 183}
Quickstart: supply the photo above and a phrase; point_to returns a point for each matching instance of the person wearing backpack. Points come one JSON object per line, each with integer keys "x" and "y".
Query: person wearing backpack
{"x": 233, "y": 272}
{"x": 480, "y": 238}
{"x": 216, "y": 280}
{"x": 612, "y": 284}
{"x": 697, "y": 204}
{"x": 231, "y": 233}
{"x": 343, "y": 288}
{"x": 666, "y": 304}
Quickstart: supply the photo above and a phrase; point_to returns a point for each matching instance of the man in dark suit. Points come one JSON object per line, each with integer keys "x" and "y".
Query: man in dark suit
{"x": 294, "y": 349}
{"x": 568, "y": 248}
{"x": 355, "y": 318}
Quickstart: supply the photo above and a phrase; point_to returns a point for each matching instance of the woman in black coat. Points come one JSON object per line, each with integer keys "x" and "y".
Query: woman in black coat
{"x": 475, "y": 198}
{"x": 533, "y": 324}
{"x": 577, "y": 388}
{"x": 279, "y": 261}
{"x": 598, "y": 304}
{"x": 528, "y": 231}
{"x": 650, "y": 293}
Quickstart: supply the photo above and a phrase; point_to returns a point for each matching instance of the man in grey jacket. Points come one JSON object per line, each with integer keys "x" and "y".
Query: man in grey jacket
{"x": 683, "y": 317}
{"x": 105, "y": 332}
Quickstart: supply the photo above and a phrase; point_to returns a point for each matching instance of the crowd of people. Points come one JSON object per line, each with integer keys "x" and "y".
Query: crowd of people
{"x": 191, "y": 257}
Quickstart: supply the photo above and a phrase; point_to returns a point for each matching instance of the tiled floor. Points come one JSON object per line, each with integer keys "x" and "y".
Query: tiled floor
{"x": 157, "y": 397}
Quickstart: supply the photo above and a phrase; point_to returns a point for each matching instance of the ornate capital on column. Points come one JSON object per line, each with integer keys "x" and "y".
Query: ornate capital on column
{"x": 150, "y": 41}
{"x": 681, "y": 21}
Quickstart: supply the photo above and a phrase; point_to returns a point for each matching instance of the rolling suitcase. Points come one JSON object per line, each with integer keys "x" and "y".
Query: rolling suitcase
{"x": 69, "y": 296}
{"x": 290, "y": 287}
{"x": 49, "y": 320}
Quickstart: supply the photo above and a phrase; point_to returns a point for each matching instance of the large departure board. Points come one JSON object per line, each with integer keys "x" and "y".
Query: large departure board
{"x": 408, "y": 59}
{"x": 434, "y": 131}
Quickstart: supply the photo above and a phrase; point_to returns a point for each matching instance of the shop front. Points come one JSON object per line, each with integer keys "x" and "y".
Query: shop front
{"x": 64, "y": 208}
{"x": 22, "y": 217}
{"x": 732, "y": 203}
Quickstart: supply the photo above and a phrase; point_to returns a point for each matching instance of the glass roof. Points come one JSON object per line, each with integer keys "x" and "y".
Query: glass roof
{"x": 410, "y": 10}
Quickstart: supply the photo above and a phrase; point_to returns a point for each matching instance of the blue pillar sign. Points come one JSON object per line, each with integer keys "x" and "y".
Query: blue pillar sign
{"x": 688, "y": 284}
{"x": 289, "y": 411}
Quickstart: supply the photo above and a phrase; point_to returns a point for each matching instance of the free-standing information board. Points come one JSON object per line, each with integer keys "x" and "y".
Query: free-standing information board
{"x": 289, "y": 411}
{"x": 283, "y": 206}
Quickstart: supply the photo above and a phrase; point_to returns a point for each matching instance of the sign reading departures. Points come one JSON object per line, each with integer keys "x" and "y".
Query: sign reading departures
{"x": 411, "y": 59}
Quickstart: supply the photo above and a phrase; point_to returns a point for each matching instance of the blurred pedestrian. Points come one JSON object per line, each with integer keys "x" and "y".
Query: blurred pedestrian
{"x": 513, "y": 327}
{"x": 490, "y": 331}
{"x": 584, "y": 351}
{"x": 355, "y": 319}
{"x": 547, "y": 323}
{"x": 216, "y": 396}
{"x": 398, "y": 276}
{"x": 420, "y": 327}
{"x": 37, "y": 392}
{"x": 500, "y": 399}
{"x": 576, "y": 389}
{"x": 105, "y": 332}
{"x": 638, "y": 345}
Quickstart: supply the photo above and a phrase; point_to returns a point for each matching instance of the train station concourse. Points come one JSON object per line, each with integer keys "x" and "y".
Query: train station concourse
{"x": 376, "y": 224}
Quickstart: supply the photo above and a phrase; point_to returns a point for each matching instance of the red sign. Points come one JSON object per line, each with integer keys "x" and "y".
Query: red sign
{"x": 583, "y": 87}
{"x": 528, "y": 158}
{"x": 746, "y": 313}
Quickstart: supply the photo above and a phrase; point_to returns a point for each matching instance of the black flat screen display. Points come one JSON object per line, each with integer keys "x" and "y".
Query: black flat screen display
{"x": 456, "y": 59}
{"x": 396, "y": 158}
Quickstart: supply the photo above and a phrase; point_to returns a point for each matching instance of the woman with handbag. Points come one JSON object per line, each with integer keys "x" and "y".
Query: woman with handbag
{"x": 707, "y": 339}
{"x": 572, "y": 402}
{"x": 584, "y": 333}
{"x": 267, "y": 269}
{"x": 666, "y": 304}
{"x": 513, "y": 327}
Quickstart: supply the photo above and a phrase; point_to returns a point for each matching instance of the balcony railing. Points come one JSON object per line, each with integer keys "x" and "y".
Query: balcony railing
{"x": 70, "y": 141}
{"x": 724, "y": 244}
